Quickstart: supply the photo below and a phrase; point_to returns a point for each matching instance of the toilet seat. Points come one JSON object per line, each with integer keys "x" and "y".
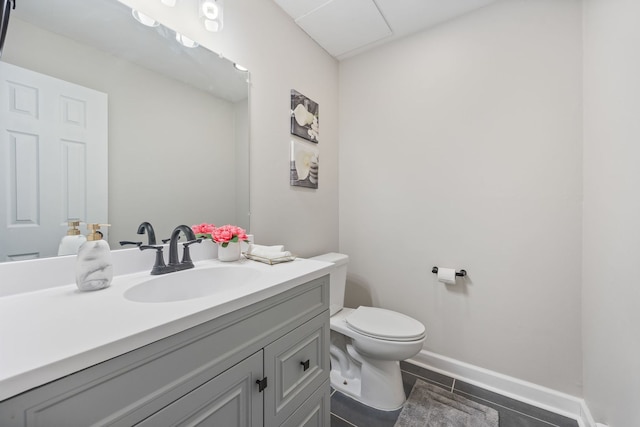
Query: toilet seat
{"x": 384, "y": 324}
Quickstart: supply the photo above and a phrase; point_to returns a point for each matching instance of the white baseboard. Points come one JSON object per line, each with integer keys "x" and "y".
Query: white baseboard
{"x": 533, "y": 394}
{"x": 586, "y": 417}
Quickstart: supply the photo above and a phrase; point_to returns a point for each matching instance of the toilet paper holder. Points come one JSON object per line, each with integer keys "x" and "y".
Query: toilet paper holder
{"x": 460, "y": 273}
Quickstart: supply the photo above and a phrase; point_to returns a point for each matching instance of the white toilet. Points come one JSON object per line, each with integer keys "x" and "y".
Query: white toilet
{"x": 367, "y": 345}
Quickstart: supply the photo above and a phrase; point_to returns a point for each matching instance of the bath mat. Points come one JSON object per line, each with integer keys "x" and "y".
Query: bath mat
{"x": 432, "y": 406}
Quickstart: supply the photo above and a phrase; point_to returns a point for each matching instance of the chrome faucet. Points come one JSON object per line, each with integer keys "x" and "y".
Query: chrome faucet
{"x": 159, "y": 266}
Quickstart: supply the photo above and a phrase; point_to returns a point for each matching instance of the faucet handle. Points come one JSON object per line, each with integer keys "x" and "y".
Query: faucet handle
{"x": 127, "y": 242}
{"x": 186, "y": 255}
{"x": 159, "y": 267}
{"x": 156, "y": 247}
{"x": 191, "y": 242}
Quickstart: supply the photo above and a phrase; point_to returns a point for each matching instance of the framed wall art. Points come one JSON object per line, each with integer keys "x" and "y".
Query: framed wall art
{"x": 304, "y": 165}
{"x": 305, "y": 117}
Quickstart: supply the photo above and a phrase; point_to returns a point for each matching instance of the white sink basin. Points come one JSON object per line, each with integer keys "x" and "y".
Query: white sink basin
{"x": 190, "y": 284}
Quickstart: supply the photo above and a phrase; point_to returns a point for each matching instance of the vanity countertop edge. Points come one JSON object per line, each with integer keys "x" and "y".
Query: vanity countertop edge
{"x": 47, "y": 334}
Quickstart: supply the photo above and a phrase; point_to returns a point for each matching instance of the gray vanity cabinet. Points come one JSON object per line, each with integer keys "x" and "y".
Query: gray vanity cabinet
{"x": 207, "y": 375}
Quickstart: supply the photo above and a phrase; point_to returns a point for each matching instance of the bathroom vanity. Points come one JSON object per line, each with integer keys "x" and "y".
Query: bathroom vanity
{"x": 256, "y": 355}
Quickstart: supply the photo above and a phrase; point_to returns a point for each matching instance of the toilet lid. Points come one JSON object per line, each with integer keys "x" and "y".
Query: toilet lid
{"x": 385, "y": 324}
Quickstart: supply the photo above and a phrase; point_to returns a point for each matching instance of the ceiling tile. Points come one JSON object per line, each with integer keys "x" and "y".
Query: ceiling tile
{"x": 409, "y": 16}
{"x": 298, "y": 8}
{"x": 343, "y": 25}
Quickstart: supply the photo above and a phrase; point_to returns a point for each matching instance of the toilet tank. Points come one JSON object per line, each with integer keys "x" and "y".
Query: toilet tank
{"x": 337, "y": 279}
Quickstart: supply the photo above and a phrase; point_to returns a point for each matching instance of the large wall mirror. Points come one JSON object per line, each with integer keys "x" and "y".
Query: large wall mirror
{"x": 178, "y": 125}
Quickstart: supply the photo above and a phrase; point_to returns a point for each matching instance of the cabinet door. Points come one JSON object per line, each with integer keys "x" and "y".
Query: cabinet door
{"x": 314, "y": 412}
{"x": 231, "y": 399}
{"x": 296, "y": 365}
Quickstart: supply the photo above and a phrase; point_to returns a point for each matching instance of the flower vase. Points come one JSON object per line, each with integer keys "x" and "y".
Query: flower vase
{"x": 209, "y": 248}
{"x": 229, "y": 253}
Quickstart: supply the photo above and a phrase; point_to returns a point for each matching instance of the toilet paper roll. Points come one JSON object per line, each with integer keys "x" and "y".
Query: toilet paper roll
{"x": 447, "y": 275}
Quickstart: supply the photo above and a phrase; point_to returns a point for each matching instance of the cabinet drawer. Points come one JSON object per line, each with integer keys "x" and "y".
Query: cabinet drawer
{"x": 314, "y": 412}
{"x": 298, "y": 363}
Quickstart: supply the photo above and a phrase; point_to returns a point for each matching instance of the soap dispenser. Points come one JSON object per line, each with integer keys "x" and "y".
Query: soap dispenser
{"x": 70, "y": 243}
{"x": 94, "y": 269}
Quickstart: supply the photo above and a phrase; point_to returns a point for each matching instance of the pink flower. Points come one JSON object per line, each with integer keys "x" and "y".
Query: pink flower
{"x": 229, "y": 233}
{"x": 203, "y": 230}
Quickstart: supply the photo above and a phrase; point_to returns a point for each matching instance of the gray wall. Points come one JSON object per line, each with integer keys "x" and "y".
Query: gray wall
{"x": 461, "y": 147}
{"x": 611, "y": 318}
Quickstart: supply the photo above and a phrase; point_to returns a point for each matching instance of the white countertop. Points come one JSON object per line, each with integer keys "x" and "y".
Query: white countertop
{"x": 50, "y": 333}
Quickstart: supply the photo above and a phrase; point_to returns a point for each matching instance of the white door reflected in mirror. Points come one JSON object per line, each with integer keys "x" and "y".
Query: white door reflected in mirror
{"x": 55, "y": 144}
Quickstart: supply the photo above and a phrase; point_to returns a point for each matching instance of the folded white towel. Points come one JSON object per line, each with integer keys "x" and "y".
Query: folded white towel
{"x": 264, "y": 249}
{"x": 268, "y": 254}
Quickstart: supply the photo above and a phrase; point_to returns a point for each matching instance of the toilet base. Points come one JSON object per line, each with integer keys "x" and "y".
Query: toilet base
{"x": 350, "y": 387}
{"x": 378, "y": 385}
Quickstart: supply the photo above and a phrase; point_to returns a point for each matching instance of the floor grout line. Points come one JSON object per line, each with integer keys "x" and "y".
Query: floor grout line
{"x": 429, "y": 380}
{"x": 505, "y": 407}
{"x": 340, "y": 418}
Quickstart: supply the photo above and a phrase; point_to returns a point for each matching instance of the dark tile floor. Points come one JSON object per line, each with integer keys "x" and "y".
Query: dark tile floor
{"x": 346, "y": 412}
